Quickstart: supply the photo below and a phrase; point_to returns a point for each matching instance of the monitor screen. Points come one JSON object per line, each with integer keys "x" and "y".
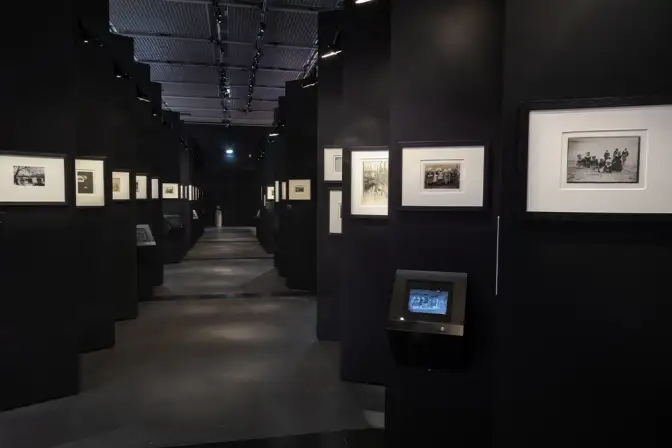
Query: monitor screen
{"x": 428, "y": 301}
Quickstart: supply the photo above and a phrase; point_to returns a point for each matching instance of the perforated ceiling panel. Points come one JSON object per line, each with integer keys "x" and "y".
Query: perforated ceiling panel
{"x": 172, "y": 34}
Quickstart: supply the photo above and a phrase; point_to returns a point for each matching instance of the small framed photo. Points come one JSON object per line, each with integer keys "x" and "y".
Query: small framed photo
{"x": 333, "y": 164}
{"x": 156, "y": 194}
{"x": 369, "y": 182}
{"x": 443, "y": 176}
{"x": 284, "y": 191}
{"x": 121, "y": 190}
{"x": 597, "y": 157}
{"x": 90, "y": 182}
{"x": 140, "y": 186}
{"x": 277, "y": 190}
{"x": 270, "y": 193}
{"x": 335, "y": 212}
{"x": 299, "y": 190}
{"x": 171, "y": 191}
{"x": 32, "y": 179}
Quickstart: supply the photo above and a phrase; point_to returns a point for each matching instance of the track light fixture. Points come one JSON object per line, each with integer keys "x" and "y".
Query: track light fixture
{"x": 334, "y": 48}
{"x": 360, "y": 2}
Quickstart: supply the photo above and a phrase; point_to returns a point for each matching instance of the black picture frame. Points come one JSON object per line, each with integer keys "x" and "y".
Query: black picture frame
{"x": 522, "y": 159}
{"x": 148, "y": 187}
{"x": 330, "y": 188}
{"x": 131, "y": 181}
{"x": 68, "y": 166}
{"x": 107, "y": 181}
{"x": 449, "y": 143}
{"x": 347, "y": 180}
{"x": 322, "y": 161}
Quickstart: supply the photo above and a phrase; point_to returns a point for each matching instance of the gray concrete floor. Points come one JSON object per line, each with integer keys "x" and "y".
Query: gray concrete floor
{"x": 201, "y": 370}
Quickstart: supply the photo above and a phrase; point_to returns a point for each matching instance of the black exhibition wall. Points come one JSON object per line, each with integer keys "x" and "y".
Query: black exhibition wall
{"x": 93, "y": 68}
{"x": 230, "y": 181}
{"x": 38, "y": 245}
{"x": 583, "y": 341}
{"x": 447, "y": 90}
{"x": 121, "y": 139}
{"x": 369, "y": 255}
{"x": 330, "y": 117}
{"x": 297, "y": 218}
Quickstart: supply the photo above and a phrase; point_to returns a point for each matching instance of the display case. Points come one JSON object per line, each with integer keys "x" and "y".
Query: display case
{"x": 426, "y": 322}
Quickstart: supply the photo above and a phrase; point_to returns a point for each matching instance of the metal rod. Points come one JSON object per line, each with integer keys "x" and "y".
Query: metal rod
{"x": 210, "y": 65}
{"x": 207, "y": 40}
{"x": 215, "y": 84}
{"x": 253, "y": 5}
{"x": 215, "y": 98}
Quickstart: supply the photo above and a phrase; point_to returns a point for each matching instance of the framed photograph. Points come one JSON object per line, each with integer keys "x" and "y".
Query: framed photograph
{"x": 299, "y": 189}
{"x": 284, "y": 191}
{"x": 369, "y": 182}
{"x": 597, "y": 157}
{"x": 155, "y": 188}
{"x": 335, "y": 212}
{"x": 443, "y": 176}
{"x": 171, "y": 191}
{"x": 89, "y": 183}
{"x": 270, "y": 193}
{"x": 32, "y": 179}
{"x": 277, "y": 190}
{"x": 144, "y": 236}
{"x": 140, "y": 186}
{"x": 121, "y": 190}
{"x": 333, "y": 164}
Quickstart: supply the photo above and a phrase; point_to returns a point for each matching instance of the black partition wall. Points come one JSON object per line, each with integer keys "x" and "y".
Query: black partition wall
{"x": 329, "y": 127}
{"x": 369, "y": 253}
{"x": 583, "y": 343}
{"x": 447, "y": 93}
{"x": 565, "y": 328}
{"x": 39, "y": 253}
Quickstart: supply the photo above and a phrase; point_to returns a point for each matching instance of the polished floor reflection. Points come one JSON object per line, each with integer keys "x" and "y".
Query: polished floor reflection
{"x": 192, "y": 371}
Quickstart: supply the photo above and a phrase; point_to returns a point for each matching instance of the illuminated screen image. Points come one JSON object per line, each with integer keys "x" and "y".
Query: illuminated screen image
{"x": 428, "y": 301}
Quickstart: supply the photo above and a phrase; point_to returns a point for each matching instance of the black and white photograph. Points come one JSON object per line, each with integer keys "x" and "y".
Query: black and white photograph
{"x": 338, "y": 164}
{"x": 299, "y": 189}
{"x": 84, "y": 182}
{"x": 116, "y": 184}
{"x": 375, "y": 182}
{"x": 170, "y": 190}
{"x": 29, "y": 176}
{"x": 442, "y": 176}
{"x": 612, "y": 160}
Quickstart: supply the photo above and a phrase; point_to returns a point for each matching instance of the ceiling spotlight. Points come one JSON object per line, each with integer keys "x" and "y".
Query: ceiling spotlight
{"x": 273, "y": 134}
{"x": 229, "y": 151}
{"x": 331, "y": 53}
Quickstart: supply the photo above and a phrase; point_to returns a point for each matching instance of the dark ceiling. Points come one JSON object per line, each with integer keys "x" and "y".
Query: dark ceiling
{"x": 206, "y": 67}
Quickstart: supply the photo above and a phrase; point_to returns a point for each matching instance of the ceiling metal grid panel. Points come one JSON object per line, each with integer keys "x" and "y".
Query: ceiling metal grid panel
{"x": 263, "y": 105}
{"x": 243, "y": 23}
{"x": 327, "y": 4}
{"x": 165, "y": 72}
{"x": 202, "y": 113}
{"x": 239, "y": 77}
{"x": 160, "y": 49}
{"x": 158, "y": 16}
{"x": 254, "y": 115}
{"x": 240, "y": 55}
{"x": 284, "y": 57}
{"x": 194, "y": 102}
{"x": 266, "y": 94}
{"x": 291, "y": 28}
{"x": 268, "y": 78}
{"x": 190, "y": 89}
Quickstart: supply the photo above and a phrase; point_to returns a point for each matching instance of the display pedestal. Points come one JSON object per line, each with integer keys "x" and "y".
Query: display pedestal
{"x": 147, "y": 257}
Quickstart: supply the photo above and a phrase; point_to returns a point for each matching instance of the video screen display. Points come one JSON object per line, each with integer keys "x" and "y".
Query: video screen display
{"x": 428, "y": 301}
